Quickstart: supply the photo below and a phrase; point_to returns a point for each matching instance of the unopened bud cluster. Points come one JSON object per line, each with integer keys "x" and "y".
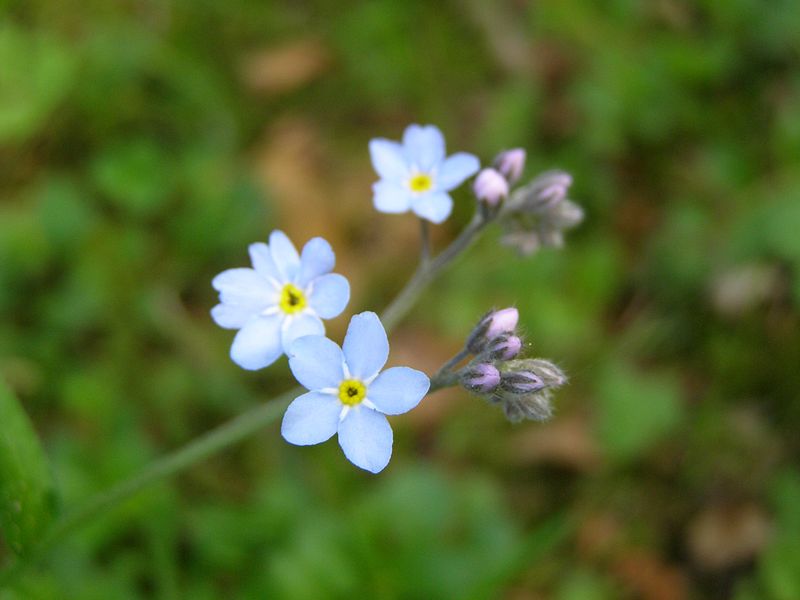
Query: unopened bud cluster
{"x": 527, "y": 388}
{"x": 522, "y": 386}
{"x": 534, "y": 215}
{"x": 537, "y": 214}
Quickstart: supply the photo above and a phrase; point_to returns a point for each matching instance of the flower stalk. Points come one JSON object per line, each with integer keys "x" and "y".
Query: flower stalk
{"x": 247, "y": 423}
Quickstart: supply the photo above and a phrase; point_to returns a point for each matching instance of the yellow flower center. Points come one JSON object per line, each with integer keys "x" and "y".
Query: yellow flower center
{"x": 352, "y": 392}
{"x": 421, "y": 182}
{"x": 292, "y": 299}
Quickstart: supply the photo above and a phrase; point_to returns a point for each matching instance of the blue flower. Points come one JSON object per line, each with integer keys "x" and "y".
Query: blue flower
{"x": 348, "y": 393}
{"x": 283, "y": 297}
{"x": 415, "y": 175}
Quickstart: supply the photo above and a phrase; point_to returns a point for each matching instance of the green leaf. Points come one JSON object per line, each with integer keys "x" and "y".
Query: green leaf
{"x": 25, "y": 484}
{"x": 637, "y": 410}
{"x": 36, "y": 75}
{"x": 584, "y": 585}
{"x": 136, "y": 175}
{"x": 779, "y": 568}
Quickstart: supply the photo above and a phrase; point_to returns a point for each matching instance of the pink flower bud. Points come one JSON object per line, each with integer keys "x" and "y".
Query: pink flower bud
{"x": 502, "y": 321}
{"x": 490, "y": 186}
{"x": 511, "y": 164}
{"x": 481, "y": 378}
{"x": 504, "y": 347}
{"x": 521, "y": 382}
{"x": 493, "y": 324}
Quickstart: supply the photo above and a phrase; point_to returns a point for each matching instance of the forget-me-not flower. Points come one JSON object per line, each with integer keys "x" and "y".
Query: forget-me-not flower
{"x": 283, "y": 297}
{"x": 348, "y": 393}
{"x": 415, "y": 175}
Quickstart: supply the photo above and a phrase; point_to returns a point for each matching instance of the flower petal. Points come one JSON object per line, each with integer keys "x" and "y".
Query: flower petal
{"x": 311, "y": 419}
{"x": 230, "y": 316}
{"x": 388, "y": 159}
{"x": 297, "y": 326}
{"x": 366, "y": 347}
{"x": 245, "y": 288}
{"x": 317, "y": 259}
{"x": 366, "y": 438}
{"x": 316, "y": 362}
{"x": 390, "y": 197}
{"x": 435, "y": 207}
{"x": 284, "y": 255}
{"x": 262, "y": 261}
{"x": 455, "y": 169}
{"x": 329, "y": 295}
{"x": 398, "y": 390}
{"x": 258, "y": 343}
{"x": 423, "y": 146}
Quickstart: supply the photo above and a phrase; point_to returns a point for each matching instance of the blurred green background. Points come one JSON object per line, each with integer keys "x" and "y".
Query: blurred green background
{"x": 145, "y": 143}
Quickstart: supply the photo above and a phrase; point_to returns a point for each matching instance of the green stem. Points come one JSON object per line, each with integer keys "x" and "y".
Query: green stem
{"x": 199, "y": 448}
{"x": 425, "y": 242}
{"x": 448, "y": 366}
{"x": 443, "y": 380}
{"x": 403, "y": 302}
{"x": 445, "y": 377}
{"x": 239, "y": 427}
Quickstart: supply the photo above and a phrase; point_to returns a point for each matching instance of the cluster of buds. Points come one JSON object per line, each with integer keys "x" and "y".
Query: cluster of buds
{"x": 522, "y": 386}
{"x": 537, "y": 214}
{"x": 533, "y": 215}
{"x": 526, "y": 389}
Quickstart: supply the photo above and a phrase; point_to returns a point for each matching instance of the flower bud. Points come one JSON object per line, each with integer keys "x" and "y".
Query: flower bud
{"x": 555, "y": 190}
{"x": 502, "y": 321}
{"x": 536, "y": 407}
{"x": 504, "y": 347}
{"x": 525, "y": 242}
{"x": 521, "y": 383}
{"x": 511, "y": 164}
{"x": 490, "y": 326}
{"x": 549, "y": 373}
{"x": 490, "y": 187}
{"x": 565, "y": 214}
{"x": 541, "y": 194}
{"x": 482, "y": 378}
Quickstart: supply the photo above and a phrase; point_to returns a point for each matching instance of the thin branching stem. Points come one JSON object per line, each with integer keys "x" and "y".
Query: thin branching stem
{"x": 238, "y": 428}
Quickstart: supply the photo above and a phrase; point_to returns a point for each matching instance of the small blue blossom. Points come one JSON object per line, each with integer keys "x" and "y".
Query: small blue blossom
{"x": 348, "y": 393}
{"x": 416, "y": 176}
{"x": 283, "y": 297}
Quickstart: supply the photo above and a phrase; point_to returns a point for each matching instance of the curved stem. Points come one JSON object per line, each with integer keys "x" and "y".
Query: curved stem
{"x": 239, "y": 427}
{"x": 448, "y": 366}
{"x": 424, "y": 242}
{"x": 199, "y": 448}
